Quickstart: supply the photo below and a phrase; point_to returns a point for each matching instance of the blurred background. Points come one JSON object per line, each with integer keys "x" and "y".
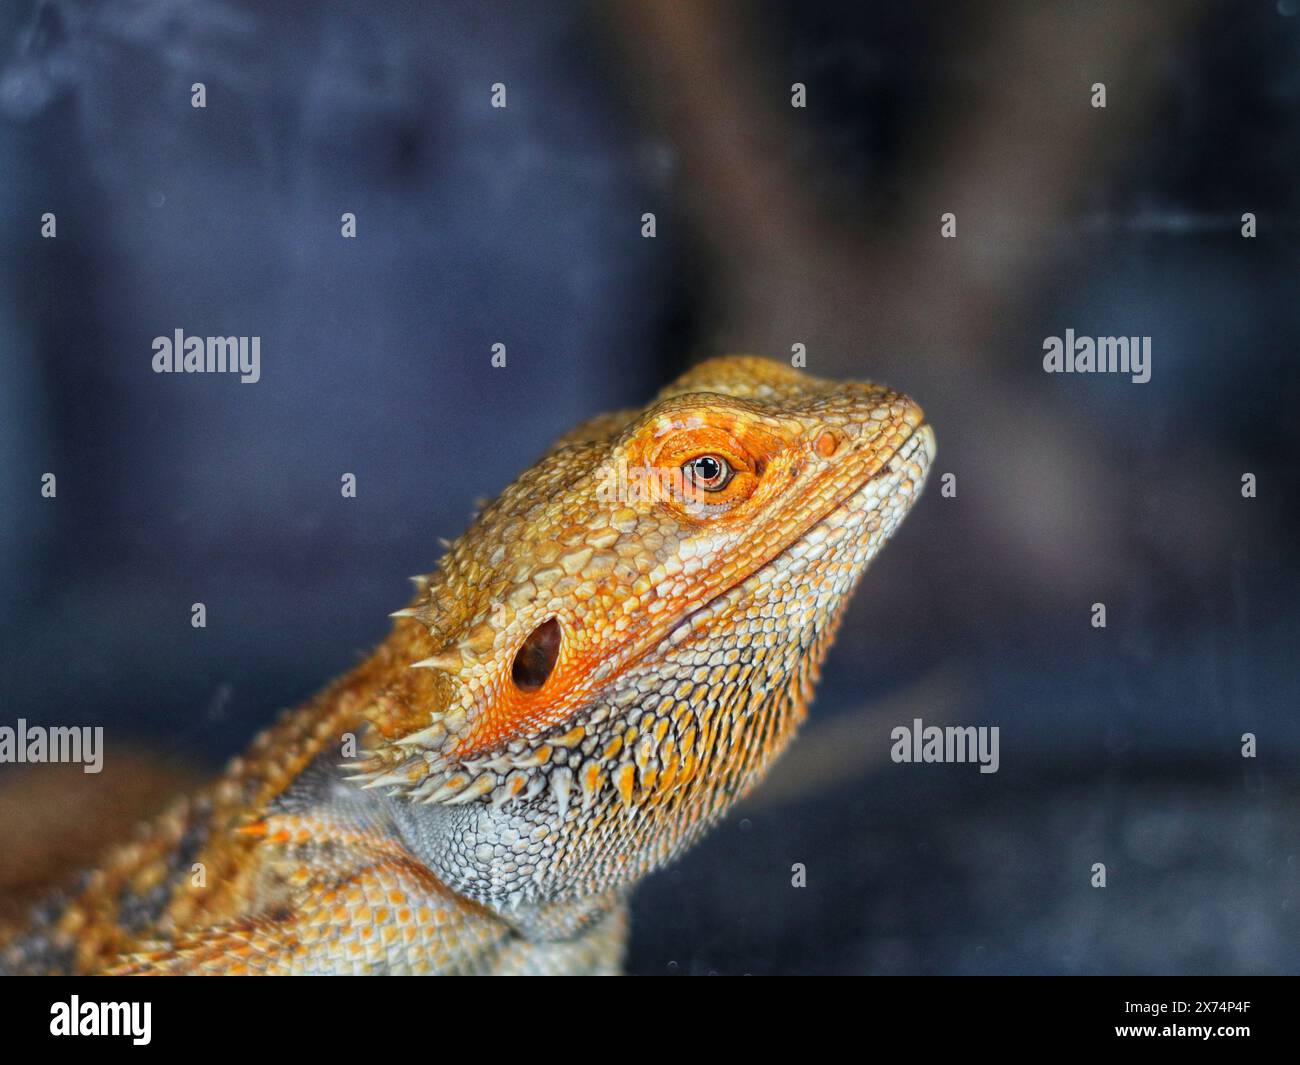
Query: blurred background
{"x": 775, "y": 226}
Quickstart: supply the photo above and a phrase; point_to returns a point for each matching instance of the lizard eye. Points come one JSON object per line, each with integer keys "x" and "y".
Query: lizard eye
{"x": 536, "y": 656}
{"x": 710, "y": 472}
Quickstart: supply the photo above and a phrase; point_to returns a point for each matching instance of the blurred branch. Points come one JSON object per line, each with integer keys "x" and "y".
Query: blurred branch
{"x": 1010, "y": 161}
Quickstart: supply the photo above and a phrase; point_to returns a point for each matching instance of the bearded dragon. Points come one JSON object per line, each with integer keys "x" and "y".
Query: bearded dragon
{"x": 597, "y": 670}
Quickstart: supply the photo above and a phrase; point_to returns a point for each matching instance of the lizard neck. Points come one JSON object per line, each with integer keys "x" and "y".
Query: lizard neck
{"x": 549, "y": 867}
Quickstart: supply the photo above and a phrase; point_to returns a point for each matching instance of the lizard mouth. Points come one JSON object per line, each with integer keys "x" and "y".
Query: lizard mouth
{"x": 917, "y": 447}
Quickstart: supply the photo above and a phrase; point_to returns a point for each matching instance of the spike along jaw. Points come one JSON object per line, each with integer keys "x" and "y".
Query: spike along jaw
{"x": 637, "y": 626}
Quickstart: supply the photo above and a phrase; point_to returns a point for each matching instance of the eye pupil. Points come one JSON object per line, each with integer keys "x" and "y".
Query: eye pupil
{"x": 708, "y": 468}
{"x": 709, "y": 472}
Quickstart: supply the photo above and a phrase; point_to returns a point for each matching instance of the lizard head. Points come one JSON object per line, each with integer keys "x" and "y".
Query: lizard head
{"x": 618, "y": 646}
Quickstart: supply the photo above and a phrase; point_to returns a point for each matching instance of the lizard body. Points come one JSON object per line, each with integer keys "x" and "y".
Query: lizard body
{"x": 609, "y": 657}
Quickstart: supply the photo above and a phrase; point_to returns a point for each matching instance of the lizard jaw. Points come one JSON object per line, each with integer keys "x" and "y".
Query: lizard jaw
{"x": 870, "y": 512}
{"x": 922, "y": 437}
{"x": 528, "y": 765}
{"x": 638, "y": 762}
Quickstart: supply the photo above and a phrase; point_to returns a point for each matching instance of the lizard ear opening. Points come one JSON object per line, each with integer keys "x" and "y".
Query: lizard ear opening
{"x": 536, "y": 656}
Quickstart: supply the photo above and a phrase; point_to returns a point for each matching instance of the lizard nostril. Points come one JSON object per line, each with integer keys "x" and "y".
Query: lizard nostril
{"x": 536, "y": 656}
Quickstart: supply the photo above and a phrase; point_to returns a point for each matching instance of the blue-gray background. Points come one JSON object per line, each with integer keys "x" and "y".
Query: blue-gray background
{"x": 776, "y": 226}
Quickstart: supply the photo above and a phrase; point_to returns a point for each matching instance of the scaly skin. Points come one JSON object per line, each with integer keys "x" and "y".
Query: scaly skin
{"x": 454, "y": 805}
